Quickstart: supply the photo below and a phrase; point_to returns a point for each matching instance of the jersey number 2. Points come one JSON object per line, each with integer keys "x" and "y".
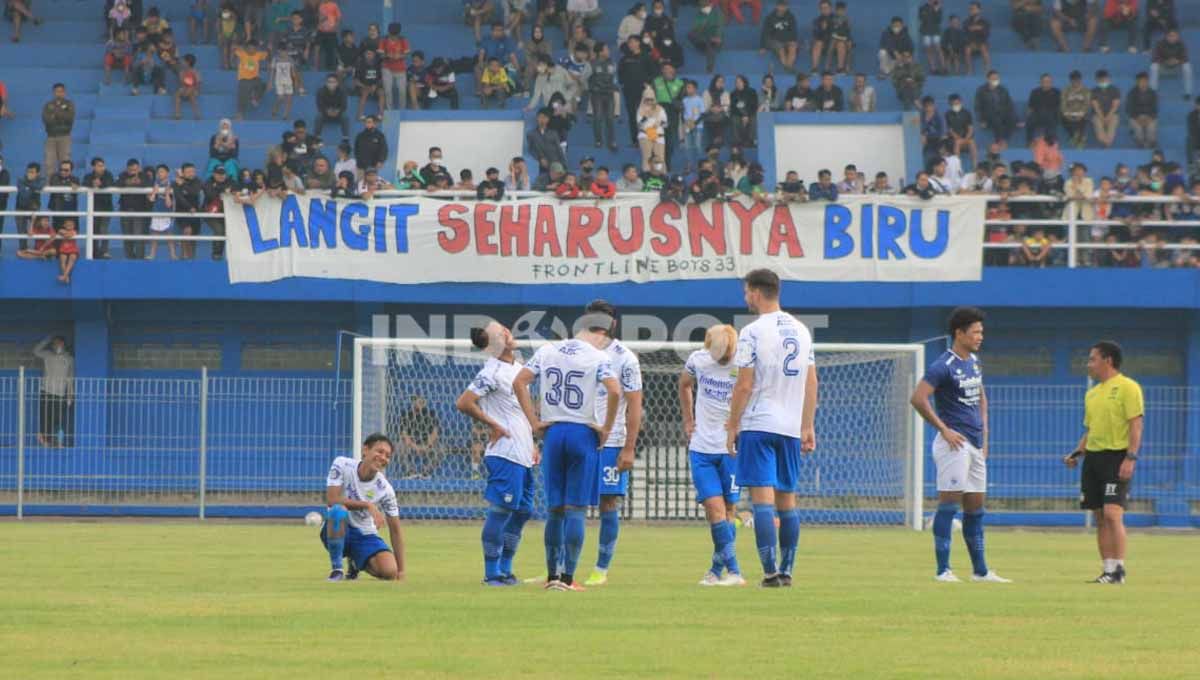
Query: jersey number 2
{"x": 792, "y": 345}
{"x": 564, "y": 388}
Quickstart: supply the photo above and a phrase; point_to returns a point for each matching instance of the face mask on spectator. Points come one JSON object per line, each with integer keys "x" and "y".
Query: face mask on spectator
{"x": 956, "y": 108}
{"x": 706, "y": 9}
{"x": 994, "y": 82}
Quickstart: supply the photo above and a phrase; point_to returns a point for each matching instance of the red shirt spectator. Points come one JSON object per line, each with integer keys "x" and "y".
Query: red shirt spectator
{"x": 395, "y": 50}
{"x": 603, "y": 189}
{"x": 568, "y": 189}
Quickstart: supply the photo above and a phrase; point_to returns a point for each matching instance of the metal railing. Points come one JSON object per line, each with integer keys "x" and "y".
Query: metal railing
{"x": 1074, "y": 245}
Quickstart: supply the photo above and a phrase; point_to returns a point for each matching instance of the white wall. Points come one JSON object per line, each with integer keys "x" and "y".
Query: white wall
{"x": 473, "y": 144}
{"x": 809, "y": 148}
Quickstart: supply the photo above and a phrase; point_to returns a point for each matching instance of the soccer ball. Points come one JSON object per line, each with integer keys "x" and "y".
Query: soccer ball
{"x": 313, "y": 519}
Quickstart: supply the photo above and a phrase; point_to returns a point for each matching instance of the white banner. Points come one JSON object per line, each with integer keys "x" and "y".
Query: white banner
{"x": 545, "y": 240}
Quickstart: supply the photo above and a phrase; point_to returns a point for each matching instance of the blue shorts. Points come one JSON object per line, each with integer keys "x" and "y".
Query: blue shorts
{"x": 570, "y": 464}
{"x": 714, "y": 474}
{"x": 360, "y": 547}
{"x": 768, "y": 459}
{"x": 612, "y": 482}
{"x": 509, "y": 485}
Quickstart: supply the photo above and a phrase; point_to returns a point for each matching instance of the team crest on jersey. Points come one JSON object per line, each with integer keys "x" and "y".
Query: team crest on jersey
{"x": 508, "y": 498}
{"x": 370, "y": 494}
{"x": 335, "y": 473}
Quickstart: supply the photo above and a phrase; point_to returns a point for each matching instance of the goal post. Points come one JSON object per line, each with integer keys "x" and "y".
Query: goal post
{"x": 868, "y": 468}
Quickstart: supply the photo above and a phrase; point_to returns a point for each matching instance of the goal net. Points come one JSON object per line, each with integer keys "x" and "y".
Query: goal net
{"x": 867, "y": 469}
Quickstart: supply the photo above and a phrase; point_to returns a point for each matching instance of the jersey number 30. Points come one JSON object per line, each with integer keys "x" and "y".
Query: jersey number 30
{"x": 792, "y": 345}
{"x": 564, "y": 389}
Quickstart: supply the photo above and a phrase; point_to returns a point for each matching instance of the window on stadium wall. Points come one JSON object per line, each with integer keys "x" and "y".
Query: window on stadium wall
{"x": 14, "y": 355}
{"x": 1139, "y": 363}
{"x": 1033, "y": 362}
{"x": 148, "y": 356}
{"x": 293, "y": 357}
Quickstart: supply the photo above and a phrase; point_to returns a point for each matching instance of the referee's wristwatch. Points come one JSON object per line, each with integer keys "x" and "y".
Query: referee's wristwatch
{"x": 1131, "y": 456}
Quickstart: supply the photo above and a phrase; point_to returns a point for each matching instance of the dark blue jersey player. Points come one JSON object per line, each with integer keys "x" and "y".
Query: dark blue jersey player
{"x": 955, "y": 381}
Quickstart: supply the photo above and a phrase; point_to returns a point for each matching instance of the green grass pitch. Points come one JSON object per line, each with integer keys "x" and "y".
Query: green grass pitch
{"x": 232, "y": 600}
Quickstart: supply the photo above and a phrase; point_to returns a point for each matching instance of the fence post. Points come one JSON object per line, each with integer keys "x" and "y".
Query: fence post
{"x": 1072, "y": 235}
{"x": 20, "y": 442}
{"x": 89, "y": 203}
{"x": 203, "y": 436}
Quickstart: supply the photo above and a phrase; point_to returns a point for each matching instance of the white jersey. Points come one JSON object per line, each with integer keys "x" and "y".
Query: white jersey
{"x": 568, "y": 373}
{"x": 493, "y": 386}
{"x": 780, "y": 350}
{"x": 714, "y": 392}
{"x": 377, "y": 490}
{"x": 628, "y": 370}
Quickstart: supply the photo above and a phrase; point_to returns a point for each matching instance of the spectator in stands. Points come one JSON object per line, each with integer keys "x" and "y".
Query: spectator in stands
{"x": 497, "y": 45}
{"x": 5, "y": 180}
{"x": 331, "y": 107}
{"x": 602, "y": 186}
{"x": 822, "y": 34}
{"x": 1193, "y": 133}
{"x": 544, "y": 144}
{"x": 329, "y": 22}
{"x": 434, "y": 170}
{"x": 420, "y": 431}
{"x": 58, "y": 117}
{"x": 134, "y": 178}
{"x": 960, "y": 129}
{"x": 954, "y": 45}
{"x": 250, "y": 85}
{"x": 370, "y": 146}
{"x": 227, "y": 30}
{"x": 668, "y": 91}
{"x": 581, "y": 12}
{"x": 780, "y": 36}
{"x": 518, "y": 175}
{"x": 188, "y": 195}
{"x": 977, "y": 182}
{"x": 995, "y": 111}
{"x": 29, "y": 198}
{"x": 940, "y": 179}
{"x": 633, "y": 23}
{"x": 57, "y": 399}
{"x": 909, "y": 79}
{"x": 631, "y": 179}
{"x": 18, "y": 12}
{"x": 297, "y": 41}
{"x": 98, "y": 178}
{"x": 635, "y": 72}
{"x": 1027, "y": 21}
{"x": 569, "y": 187}
{"x": 892, "y": 43}
{"x": 1047, "y": 154}
{"x": 322, "y": 177}
{"x": 118, "y": 54}
{"x": 824, "y": 189}
{"x": 4, "y": 110}
{"x": 1141, "y": 105}
{"x": 466, "y": 181}
{"x": 929, "y": 27}
{"x": 348, "y": 53}
{"x": 1170, "y": 54}
{"x": 1106, "y": 107}
{"x": 155, "y": 25}
{"x": 550, "y": 180}
{"x": 552, "y": 79}
{"x": 1160, "y": 18}
{"x": 189, "y": 88}
{"x": 491, "y": 188}
{"x": 862, "y": 95}
{"x": 223, "y": 150}
{"x": 1074, "y": 15}
{"x": 1120, "y": 15}
{"x": 733, "y": 10}
{"x": 118, "y": 16}
{"x": 515, "y": 13}
{"x": 395, "y": 50}
{"x": 1078, "y": 192}
{"x": 162, "y": 199}
{"x": 769, "y": 96}
{"x": 716, "y": 112}
{"x": 1076, "y": 103}
{"x": 45, "y": 242}
{"x": 921, "y": 187}
{"x": 148, "y": 70}
{"x": 1035, "y": 248}
{"x": 882, "y": 185}
{"x": 602, "y": 90}
{"x": 478, "y": 13}
{"x": 68, "y": 250}
{"x": 743, "y": 107}
{"x": 707, "y": 34}
{"x": 279, "y": 18}
{"x": 652, "y": 132}
{"x": 828, "y": 98}
{"x": 368, "y": 79}
{"x": 852, "y": 181}
{"x": 799, "y": 97}
{"x": 933, "y": 128}
{"x": 63, "y": 201}
{"x": 979, "y": 31}
{"x": 1042, "y": 109}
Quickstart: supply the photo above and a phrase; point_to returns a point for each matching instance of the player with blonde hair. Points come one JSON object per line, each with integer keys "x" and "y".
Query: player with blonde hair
{"x": 705, "y": 391}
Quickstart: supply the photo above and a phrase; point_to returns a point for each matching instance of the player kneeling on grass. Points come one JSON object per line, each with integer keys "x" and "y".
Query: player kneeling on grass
{"x": 711, "y": 374}
{"x": 359, "y": 499}
{"x": 955, "y": 381}
{"x": 510, "y": 454}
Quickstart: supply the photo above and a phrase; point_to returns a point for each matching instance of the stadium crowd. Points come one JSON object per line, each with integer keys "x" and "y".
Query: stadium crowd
{"x": 694, "y": 141}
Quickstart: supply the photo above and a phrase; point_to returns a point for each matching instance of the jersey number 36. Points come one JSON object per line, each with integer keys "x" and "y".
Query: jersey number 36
{"x": 564, "y": 388}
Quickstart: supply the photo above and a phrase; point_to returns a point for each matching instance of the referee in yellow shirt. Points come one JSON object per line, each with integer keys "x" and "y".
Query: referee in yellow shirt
{"x": 1113, "y": 419}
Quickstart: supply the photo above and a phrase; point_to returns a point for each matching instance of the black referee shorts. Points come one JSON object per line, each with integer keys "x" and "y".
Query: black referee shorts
{"x": 1100, "y": 483}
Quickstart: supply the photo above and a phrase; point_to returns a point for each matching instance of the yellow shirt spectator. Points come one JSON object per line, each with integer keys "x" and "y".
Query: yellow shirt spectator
{"x": 497, "y": 78}
{"x": 1108, "y": 408}
{"x": 249, "y": 62}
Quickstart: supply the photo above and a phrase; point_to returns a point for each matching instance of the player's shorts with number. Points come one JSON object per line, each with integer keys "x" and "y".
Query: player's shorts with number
{"x": 570, "y": 464}
{"x": 1100, "y": 483}
{"x": 768, "y": 459}
{"x": 963, "y": 469}
{"x": 612, "y": 481}
{"x": 714, "y": 474}
{"x": 509, "y": 485}
{"x": 360, "y": 547}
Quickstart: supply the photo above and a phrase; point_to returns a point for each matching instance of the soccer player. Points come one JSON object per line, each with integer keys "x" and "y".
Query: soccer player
{"x": 955, "y": 381}
{"x": 510, "y": 454}
{"x": 710, "y": 373}
{"x": 568, "y": 373}
{"x": 1113, "y": 421}
{"x": 777, "y": 375}
{"x": 616, "y": 458}
{"x": 359, "y": 499}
